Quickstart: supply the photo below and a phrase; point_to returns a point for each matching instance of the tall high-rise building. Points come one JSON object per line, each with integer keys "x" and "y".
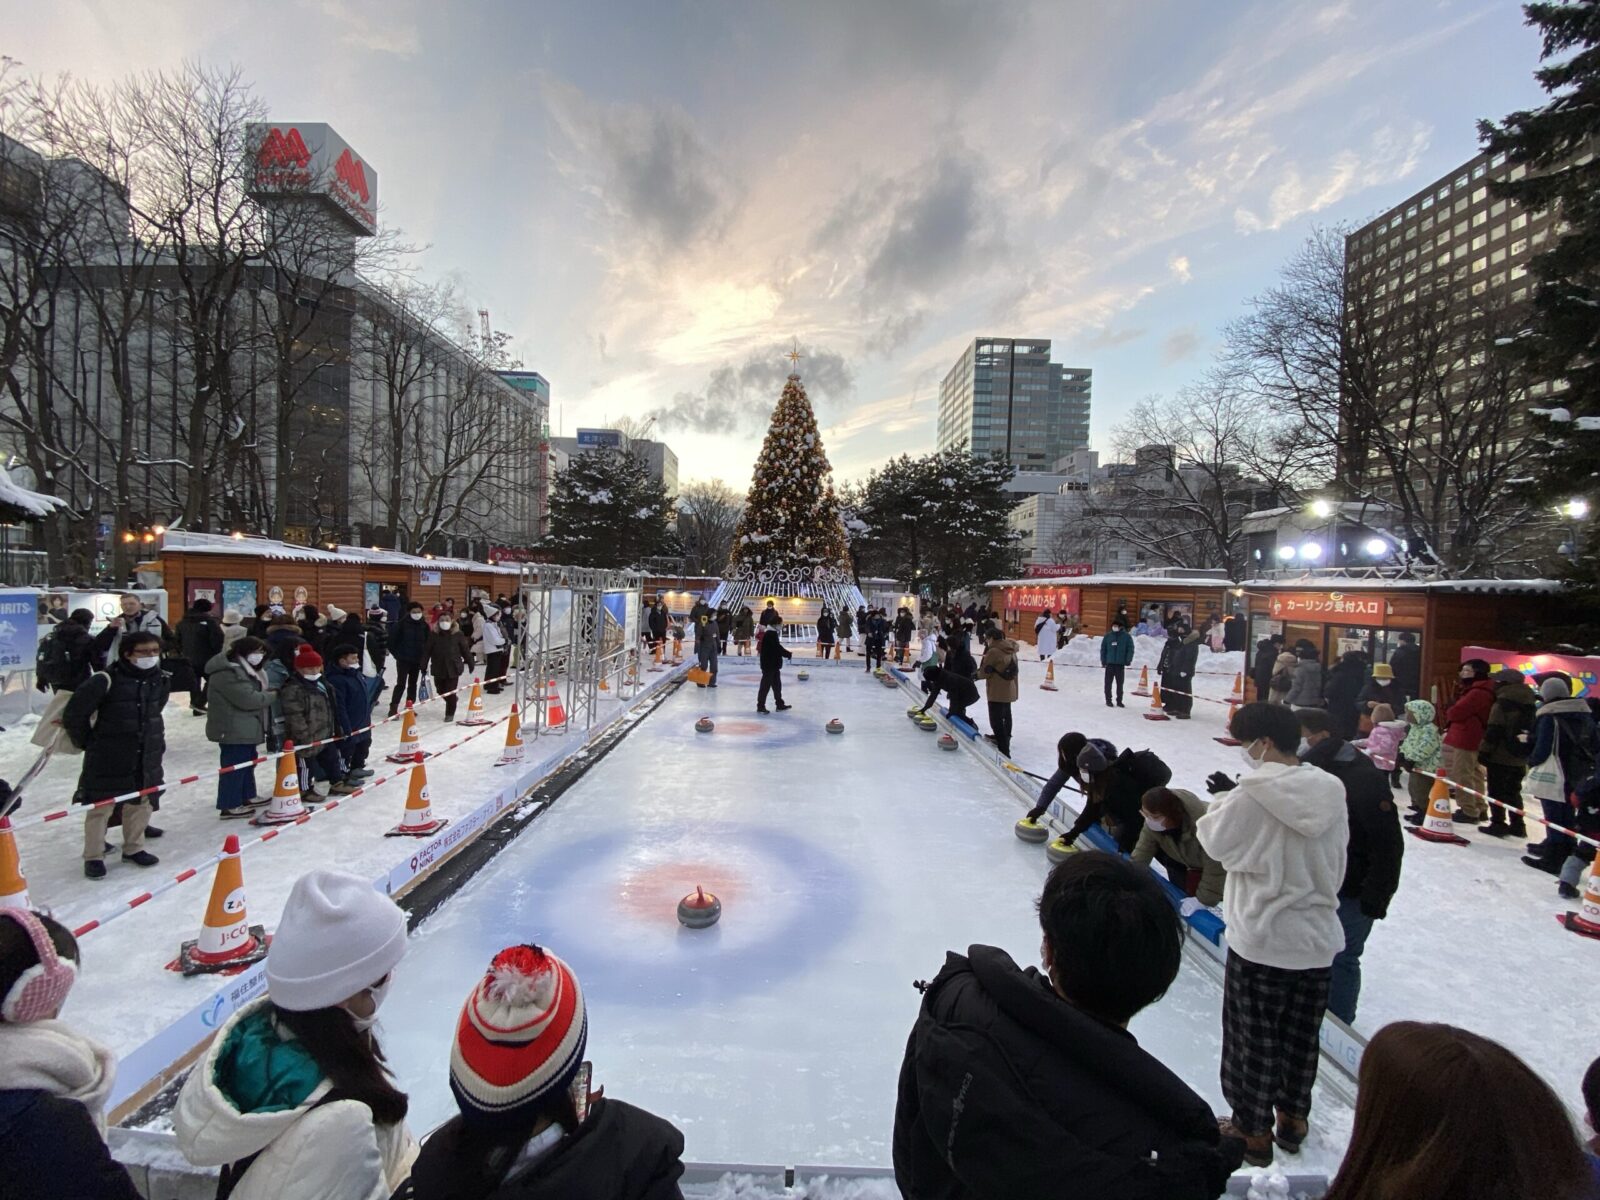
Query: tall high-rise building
{"x": 1004, "y": 396}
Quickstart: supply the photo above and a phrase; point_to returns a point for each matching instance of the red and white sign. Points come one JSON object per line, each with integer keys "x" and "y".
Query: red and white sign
{"x": 1331, "y": 607}
{"x": 1041, "y": 599}
{"x": 309, "y": 158}
{"x": 1057, "y": 570}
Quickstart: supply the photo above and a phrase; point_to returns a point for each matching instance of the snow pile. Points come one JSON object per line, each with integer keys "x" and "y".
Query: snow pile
{"x": 746, "y": 1187}
{"x": 1084, "y": 651}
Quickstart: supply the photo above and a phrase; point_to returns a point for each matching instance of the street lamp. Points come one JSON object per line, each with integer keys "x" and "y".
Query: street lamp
{"x": 1321, "y": 509}
{"x": 1577, "y": 509}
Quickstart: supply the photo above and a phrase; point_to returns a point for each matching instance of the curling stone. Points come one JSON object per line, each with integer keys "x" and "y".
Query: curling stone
{"x": 699, "y": 911}
{"x": 927, "y": 724}
{"x": 1032, "y": 831}
{"x": 835, "y": 726}
{"x": 946, "y": 742}
{"x": 913, "y": 711}
{"x": 704, "y": 725}
{"x": 802, "y": 676}
{"x": 1060, "y": 850}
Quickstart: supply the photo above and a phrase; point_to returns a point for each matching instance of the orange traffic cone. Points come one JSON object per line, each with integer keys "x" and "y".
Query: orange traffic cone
{"x": 1587, "y": 919}
{"x": 227, "y": 940}
{"x": 1049, "y": 683}
{"x": 655, "y": 658}
{"x": 513, "y": 751}
{"x": 555, "y": 716}
{"x": 1238, "y": 685}
{"x": 1154, "y": 713}
{"x": 286, "y": 804}
{"x": 419, "y": 820}
{"x": 1144, "y": 682}
{"x": 1437, "y": 825}
{"x": 836, "y": 655}
{"x": 410, "y": 750}
{"x": 13, "y": 887}
{"x": 604, "y": 686}
{"x": 1227, "y": 738}
{"x": 475, "y": 714}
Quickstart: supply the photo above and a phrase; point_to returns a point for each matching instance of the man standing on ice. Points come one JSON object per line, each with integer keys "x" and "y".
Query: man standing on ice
{"x": 1281, "y": 834}
{"x": 705, "y": 646}
{"x": 1116, "y": 655}
{"x": 771, "y": 653}
{"x": 1024, "y": 1084}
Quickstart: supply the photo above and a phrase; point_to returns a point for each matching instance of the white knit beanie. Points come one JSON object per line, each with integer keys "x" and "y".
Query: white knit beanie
{"x": 338, "y": 935}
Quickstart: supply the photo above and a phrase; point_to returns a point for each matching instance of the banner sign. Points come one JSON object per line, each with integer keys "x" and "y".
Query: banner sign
{"x": 1039, "y": 599}
{"x": 19, "y": 631}
{"x": 1327, "y": 606}
{"x": 1057, "y": 570}
{"x": 1585, "y": 671}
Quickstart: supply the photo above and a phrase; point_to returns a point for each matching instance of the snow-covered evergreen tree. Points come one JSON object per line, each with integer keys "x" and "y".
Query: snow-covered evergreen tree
{"x": 791, "y": 516}
{"x": 607, "y": 511}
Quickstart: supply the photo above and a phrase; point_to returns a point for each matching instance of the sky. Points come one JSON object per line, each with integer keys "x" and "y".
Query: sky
{"x": 657, "y": 199}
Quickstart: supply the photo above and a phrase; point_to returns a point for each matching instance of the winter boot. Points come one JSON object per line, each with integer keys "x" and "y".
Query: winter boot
{"x": 141, "y": 858}
{"x": 1257, "y": 1146}
{"x": 1290, "y": 1132}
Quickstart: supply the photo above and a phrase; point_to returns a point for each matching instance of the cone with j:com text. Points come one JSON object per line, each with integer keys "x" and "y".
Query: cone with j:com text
{"x": 13, "y": 887}
{"x": 1238, "y": 685}
{"x": 227, "y": 940}
{"x": 1436, "y": 825}
{"x": 1144, "y": 682}
{"x": 1587, "y": 919}
{"x": 410, "y": 749}
{"x": 286, "y": 804}
{"x": 419, "y": 820}
{"x": 513, "y": 751}
{"x": 1049, "y": 683}
{"x": 475, "y": 714}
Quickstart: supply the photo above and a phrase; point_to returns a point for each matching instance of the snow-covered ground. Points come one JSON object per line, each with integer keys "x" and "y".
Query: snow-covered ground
{"x": 1471, "y": 938}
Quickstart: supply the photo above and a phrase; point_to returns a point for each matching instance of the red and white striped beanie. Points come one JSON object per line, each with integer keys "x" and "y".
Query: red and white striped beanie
{"x": 520, "y": 1039}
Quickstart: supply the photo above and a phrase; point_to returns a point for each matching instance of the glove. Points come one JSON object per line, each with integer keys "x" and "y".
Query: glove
{"x": 1217, "y": 783}
{"x": 1189, "y": 906}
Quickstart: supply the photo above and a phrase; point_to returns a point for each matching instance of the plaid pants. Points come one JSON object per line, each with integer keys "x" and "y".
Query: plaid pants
{"x": 1270, "y": 1021}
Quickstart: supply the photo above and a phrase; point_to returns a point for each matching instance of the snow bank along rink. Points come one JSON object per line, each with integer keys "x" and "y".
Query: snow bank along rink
{"x": 126, "y": 996}
{"x": 1471, "y": 938}
{"x": 847, "y": 866}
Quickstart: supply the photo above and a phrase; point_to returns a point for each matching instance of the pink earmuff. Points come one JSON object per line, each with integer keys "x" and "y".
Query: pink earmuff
{"x": 42, "y": 989}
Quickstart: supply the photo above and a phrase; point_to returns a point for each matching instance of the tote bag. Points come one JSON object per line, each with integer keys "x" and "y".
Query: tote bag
{"x": 1547, "y": 781}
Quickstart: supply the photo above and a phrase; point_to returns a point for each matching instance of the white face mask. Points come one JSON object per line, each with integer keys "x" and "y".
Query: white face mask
{"x": 1251, "y": 762}
{"x": 377, "y": 994}
{"x": 444, "y": 624}
{"x": 1156, "y": 824}
{"x": 416, "y": 616}
{"x": 312, "y": 678}
{"x": 145, "y": 661}
{"x": 1303, "y": 749}
{"x": 255, "y": 660}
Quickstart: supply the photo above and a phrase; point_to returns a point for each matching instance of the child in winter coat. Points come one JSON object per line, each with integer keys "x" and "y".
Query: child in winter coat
{"x": 1422, "y": 749}
{"x": 293, "y": 1098}
{"x": 1383, "y": 742}
{"x": 311, "y": 715}
{"x": 1282, "y": 682}
{"x": 53, "y": 1081}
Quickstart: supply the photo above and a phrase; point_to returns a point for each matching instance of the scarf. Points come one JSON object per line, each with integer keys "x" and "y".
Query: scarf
{"x": 51, "y": 1057}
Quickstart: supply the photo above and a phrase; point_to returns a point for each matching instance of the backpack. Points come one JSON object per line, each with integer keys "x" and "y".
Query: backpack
{"x": 1009, "y": 671}
{"x": 53, "y": 661}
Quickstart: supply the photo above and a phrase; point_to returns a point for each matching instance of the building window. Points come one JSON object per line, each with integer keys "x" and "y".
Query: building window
{"x": 1518, "y": 246}
{"x": 1497, "y": 209}
{"x": 1479, "y": 242}
{"x": 1478, "y": 194}
{"x": 1518, "y": 221}
{"x": 1478, "y": 218}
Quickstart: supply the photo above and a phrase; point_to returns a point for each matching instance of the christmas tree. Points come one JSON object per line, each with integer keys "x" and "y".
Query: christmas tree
{"x": 791, "y": 516}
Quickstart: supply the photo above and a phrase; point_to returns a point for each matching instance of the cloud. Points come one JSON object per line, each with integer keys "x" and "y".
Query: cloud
{"x": 1391, "y": 155}
{"x": 1179, "y": 345}
{"x": 1108, "y": 339}
{"x": 739, "y": 399}
{"x": 372, "y": 26}
{"x": 934, "y": 229}
{"x": 649, "y": 166}
{"x": 1178, "y": 264}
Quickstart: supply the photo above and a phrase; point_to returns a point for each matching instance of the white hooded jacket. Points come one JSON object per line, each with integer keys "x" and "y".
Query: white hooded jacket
{"x": 1282, "y": 834}
{"x": 335, "y": 1152}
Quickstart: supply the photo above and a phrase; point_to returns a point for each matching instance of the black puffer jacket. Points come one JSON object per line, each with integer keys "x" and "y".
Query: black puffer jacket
{"x": 1008, "y": 1092}
{"x": 1372, "y": 865}
{"x": 409, "y": 641}
{"x": 619, "y": 1153}
{"x": 770, "y": 651}
{"x": 115, "y": 719}
{"x": 200, "y": 636}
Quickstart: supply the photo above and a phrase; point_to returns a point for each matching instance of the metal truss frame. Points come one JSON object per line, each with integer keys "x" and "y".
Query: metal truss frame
{"x": 561, "y": 645}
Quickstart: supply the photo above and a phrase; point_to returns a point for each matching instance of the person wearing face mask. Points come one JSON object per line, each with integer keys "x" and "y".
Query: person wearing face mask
{"x": 1372, "y": 862}
{"x": 1116, "y": 654}
{"x": 1168, "y": 837}
{"x": 1465, "y": 722}
{"x": 293, "y": 1098}
{"x": 1025, "y": 1083}
{"x": 1281, "y": 834}
{"x": 409, "y": 646}
{"x": 447, "y": 655}
{"x": 115, "y": 719}
{"x": 311, "y": 721}
{"x": 238, "y": 719}
{"x": 54, "y": 1082}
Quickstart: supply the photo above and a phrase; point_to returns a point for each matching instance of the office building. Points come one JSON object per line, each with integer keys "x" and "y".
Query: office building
{"x": 658, "y": 458}
{"x": 1004, "y": 396}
